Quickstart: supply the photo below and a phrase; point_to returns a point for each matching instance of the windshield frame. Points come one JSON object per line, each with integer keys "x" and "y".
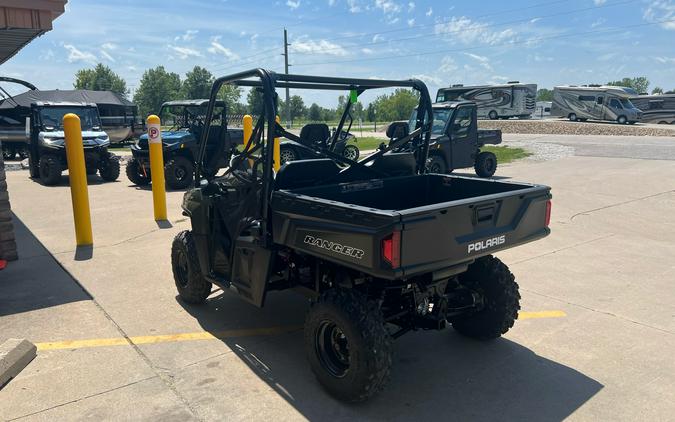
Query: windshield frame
{"x": 450, "y": 113}
{"x": 94, "y": 125}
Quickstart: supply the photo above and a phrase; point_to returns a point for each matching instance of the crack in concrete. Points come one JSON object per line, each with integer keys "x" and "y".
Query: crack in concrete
{"x": 83, "y": 398}
{"x": 620, "y": 203}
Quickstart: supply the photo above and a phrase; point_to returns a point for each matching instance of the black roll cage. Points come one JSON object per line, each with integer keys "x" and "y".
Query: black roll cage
{"x": 267, "y": 81}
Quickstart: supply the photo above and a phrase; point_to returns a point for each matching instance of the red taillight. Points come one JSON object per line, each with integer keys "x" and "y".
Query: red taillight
{"x": 548, "y": 212}
{"x": 391, "y": 249}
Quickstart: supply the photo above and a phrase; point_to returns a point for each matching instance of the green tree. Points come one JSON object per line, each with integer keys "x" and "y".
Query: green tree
{"x": 100, "y": 78}
{"x": 197, "y": 84}
{"x": 371, "y": 112}
{"x": 314, "y": 113}
{"x": 297, "y": 107}
{"x": 639, "y": 83}
{"x": 396, "y": 106}
{"x": 156, "y": 87}
{"x": 657, "y": 90}
{"x": 544, "y": 94}
{"x": 254, "y": 98}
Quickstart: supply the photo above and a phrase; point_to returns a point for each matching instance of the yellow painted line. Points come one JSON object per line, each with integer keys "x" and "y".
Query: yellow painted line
{"x": 204, "y": 335}
{"x": 164, "y": 338}
{"x": 541, "y": 314}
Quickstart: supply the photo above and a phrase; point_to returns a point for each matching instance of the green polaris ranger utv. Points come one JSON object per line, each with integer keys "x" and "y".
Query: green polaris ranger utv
{"x": 380, "y": 246}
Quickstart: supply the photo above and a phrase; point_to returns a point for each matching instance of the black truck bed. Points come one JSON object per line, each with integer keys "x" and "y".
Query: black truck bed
{"x": 461, "y": 218}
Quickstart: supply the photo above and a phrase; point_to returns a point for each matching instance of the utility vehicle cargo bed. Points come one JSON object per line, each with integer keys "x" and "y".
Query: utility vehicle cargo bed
{"x": 400, "y": 227}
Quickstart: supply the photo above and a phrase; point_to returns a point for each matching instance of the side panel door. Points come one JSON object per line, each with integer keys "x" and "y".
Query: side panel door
{"x": 463, "y": 133}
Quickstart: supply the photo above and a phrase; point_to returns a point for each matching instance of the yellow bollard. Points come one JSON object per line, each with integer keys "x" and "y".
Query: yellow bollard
{"x": 77, "y": 173}
{"x": 157, "y": 167}
{"x": 277, "y": 151}
{"x": 248, "y": 131}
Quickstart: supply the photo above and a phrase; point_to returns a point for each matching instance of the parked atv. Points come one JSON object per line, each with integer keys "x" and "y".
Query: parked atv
{"x": 381, "y": 246}
{"x": 456, "y": 141}
{"x": 47, "y": 151}
{"x": 181, "y": 142}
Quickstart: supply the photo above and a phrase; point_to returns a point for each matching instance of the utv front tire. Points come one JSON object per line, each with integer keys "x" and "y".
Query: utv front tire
{"x": 486, "y": 164}
{"x": 50, "y": 170}
{"x": 191, "y": 284}
{"x": 491, "y": 279}
{"x": 437, "y": 164}
{"x": 109, "y": 169}
{"x": 178, "y": 172}
{"x": 136, "y": 174}
{"x": 347, "y": 345}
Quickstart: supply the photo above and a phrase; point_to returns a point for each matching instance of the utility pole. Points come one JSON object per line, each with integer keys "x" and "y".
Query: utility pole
{"x": 288, "y": 101}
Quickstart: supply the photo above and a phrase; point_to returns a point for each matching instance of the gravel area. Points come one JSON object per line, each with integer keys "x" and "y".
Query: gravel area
{"x": 563, "y": 127}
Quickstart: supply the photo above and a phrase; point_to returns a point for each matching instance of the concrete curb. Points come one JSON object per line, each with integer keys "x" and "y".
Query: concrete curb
{"x": 15, "y": 354}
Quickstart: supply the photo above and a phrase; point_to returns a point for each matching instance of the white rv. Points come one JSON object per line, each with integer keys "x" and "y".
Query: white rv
{"x": 656, "y": 108}
{"x": 512, "y": 99}
{"x": 595, "y": 102}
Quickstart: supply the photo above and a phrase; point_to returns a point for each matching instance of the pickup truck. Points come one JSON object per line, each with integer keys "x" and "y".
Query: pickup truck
{"x": 456, "y": 140}
{"x": 380, "y": 246}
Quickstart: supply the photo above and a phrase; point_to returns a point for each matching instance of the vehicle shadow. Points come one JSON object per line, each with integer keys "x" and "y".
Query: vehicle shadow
{"x": 434, "y": 373}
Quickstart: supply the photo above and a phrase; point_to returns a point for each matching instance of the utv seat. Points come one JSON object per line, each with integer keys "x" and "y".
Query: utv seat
{"x": 304, "y": 173}
{"x": 314, "y": 133}
{"x": 395, "y": 164}
{"x": 398, "y": 130}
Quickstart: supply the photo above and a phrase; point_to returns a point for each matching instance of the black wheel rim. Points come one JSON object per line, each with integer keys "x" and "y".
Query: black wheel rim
{"x": 350, "y": 153}
{"x": 180, "y": 173}
{"x": 332, "y": 348}
{"x": 182, "y": 270}
{"x": 286, "y": 156}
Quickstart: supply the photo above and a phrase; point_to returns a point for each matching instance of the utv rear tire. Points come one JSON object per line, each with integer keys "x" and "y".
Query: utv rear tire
{"x": 135, "y": 173}
{"x": 192, "y": 286}
{"x": 8, "y": 152}
{"x": 110, "y": 168}
{"x": 492, "y": 115}
{"x": 178, "y": 172}
{"x": 347, "y": 345}
{"x": 351, "y": 152}
{"x": 492, "y": 279}
{"x": 50, "y": 170}
{"x": 33, "y": 166}
{"x": 437, "y": 165}
{"x": 486, "y": 164}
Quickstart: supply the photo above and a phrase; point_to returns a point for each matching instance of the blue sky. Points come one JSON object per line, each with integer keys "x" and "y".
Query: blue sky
{"x": 441, "y": 42}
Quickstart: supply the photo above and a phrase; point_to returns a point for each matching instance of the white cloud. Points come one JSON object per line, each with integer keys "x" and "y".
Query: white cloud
{"x": 388, "y": 6}
{"x": 411, "y": 22}
{"x": 107, "y": 56}
{"x": 471, "y": 32}
{"x": 482, "y": 60}
{"x": 599, "y": 2}
{"x": 218, "y": 48}
{"x": 46, "y": 55}
{"x": 331, "y": 3}
{"x": 109, "y": 46}
{"x": 411, "y": 6}
{"x": 428, "y": 79}
{"x": 430, "y": 12}
{"x": 76, "y": 55}
{"x": 393, "y": 21}
{"x": 598, "y": 22}
{"x": 189, "y": 35}
{"x": 353, "y": 6}
{"x": 306, "y": 45}
{"x": 448, "y": 65}
{"x": 659, "y": 11}
{"x": 665, "y": 60}
{"x": 293, "y": 4}
{"x": 367, "y": 51}
{"x": 378, "y": 38}
{"x": 184, "y": 52}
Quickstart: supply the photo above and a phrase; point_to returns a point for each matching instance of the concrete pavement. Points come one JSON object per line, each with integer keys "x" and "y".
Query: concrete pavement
{"x": 607, "y": 265}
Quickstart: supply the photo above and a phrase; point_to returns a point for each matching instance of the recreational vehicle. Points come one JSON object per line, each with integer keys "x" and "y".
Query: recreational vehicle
{"x": 512, "y": 99}
{"x": 543, "y": 109}
{"x": 656, "y": 108}
{"x": 595, "y": 102}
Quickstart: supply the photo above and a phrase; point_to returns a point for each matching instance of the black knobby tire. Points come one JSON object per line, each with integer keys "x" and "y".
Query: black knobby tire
{"x": 437, "y": 164}
{"x": 192, "y": 286}
{"x": 492, "y": 279}
{"x": 50, "y": 170}
{"x": 110, "y": 168}
{"x": 486, "y": 164}
{"x": 136, "y": 174}
{"x": 492, "y": 115}
{"x": 347, "y": 345}
{"x": 179, "y": 172}
{"x": 286, "y": 154}
{"x": 33, "y": 166}
{"x": 8, "y": 152}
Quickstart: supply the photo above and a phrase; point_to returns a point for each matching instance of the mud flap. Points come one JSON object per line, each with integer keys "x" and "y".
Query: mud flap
{"x": 250, "y": 269}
